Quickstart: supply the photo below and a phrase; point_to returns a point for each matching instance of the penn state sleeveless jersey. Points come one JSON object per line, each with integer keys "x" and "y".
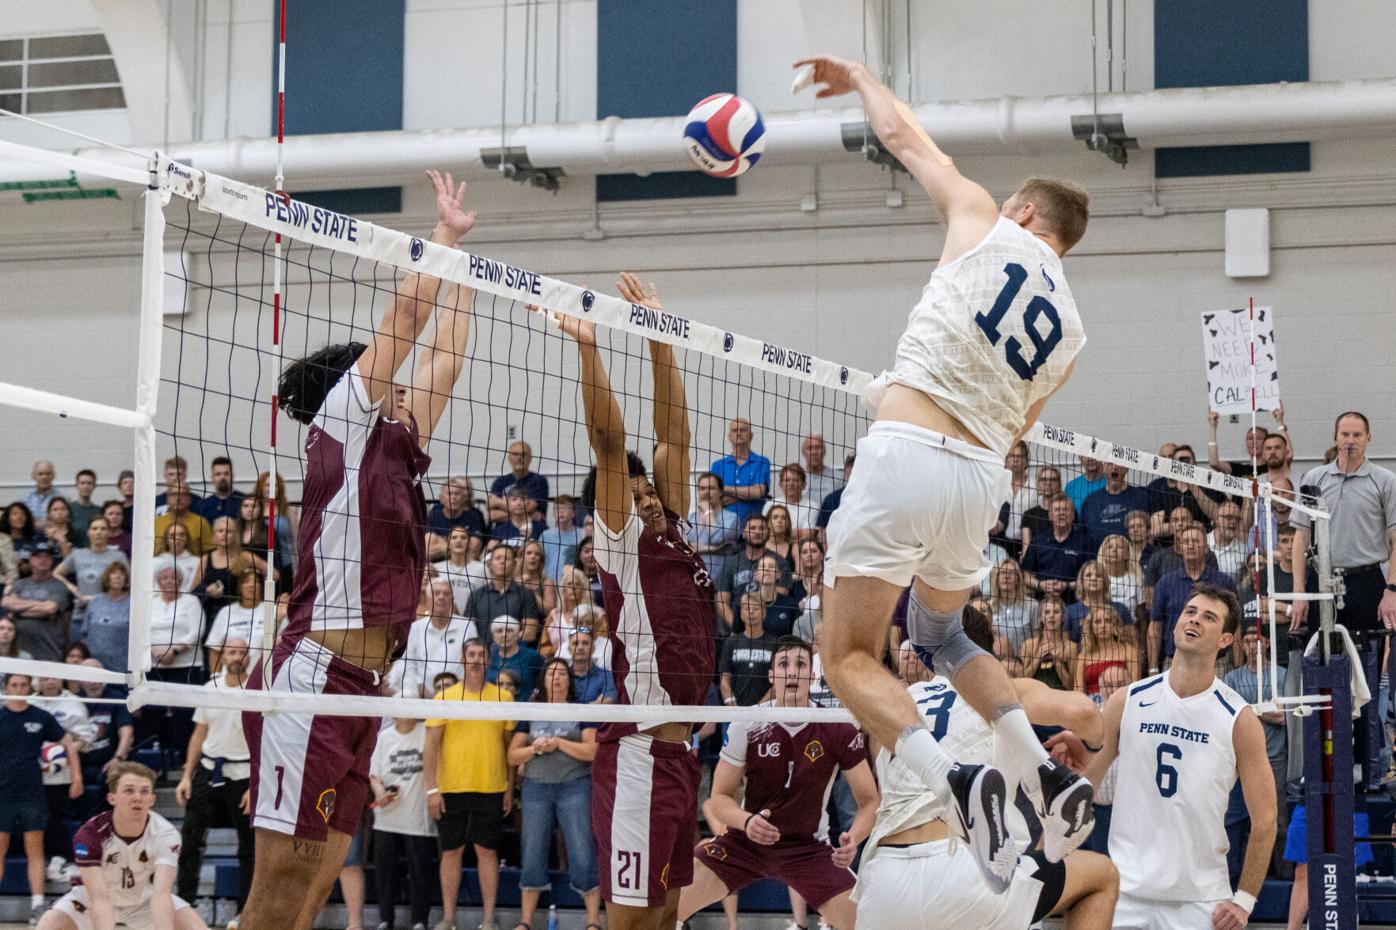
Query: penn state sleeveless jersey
{"x": 1176, "y": 768}
{"x": 965, "y": 736}
{"x": 994, "y": 332}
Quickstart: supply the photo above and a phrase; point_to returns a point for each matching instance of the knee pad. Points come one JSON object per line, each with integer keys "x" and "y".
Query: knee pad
{"x": 939, "y": 640}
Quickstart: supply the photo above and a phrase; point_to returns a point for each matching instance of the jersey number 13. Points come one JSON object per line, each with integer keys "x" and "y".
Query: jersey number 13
{"x": 1039, "y": 306}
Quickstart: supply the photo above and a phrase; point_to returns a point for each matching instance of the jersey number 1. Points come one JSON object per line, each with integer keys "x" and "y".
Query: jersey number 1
{"x": 1037, "y": 307}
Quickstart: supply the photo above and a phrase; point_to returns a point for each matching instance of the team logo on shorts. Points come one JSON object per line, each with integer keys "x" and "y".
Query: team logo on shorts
{"x": 664, "y": 876}
{"x": 325, "y": 804}
{"x": 714, "y": 851}
{"x": 728, "y": 341}
{"x": 417, "y": 250}
{"x": 588, "y": 299}
{"x": 843, "y": 375}
{"x": 814, "y": 750}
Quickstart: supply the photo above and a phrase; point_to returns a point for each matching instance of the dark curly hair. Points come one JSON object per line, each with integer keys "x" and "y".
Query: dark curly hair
{"x": 305, "y": 383}
{"x": 635, "y": 466}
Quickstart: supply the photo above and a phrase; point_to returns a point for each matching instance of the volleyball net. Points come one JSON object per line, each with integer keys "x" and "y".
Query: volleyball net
{"x": 240, "y": 281}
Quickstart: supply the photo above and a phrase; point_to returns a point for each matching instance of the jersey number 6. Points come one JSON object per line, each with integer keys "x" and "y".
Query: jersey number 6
{"x": 1166, "y": 776}
{"x": 1038, "y": 306}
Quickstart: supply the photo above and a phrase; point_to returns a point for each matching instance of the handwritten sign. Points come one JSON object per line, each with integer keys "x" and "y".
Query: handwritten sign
{"x": 1226, "y": 338}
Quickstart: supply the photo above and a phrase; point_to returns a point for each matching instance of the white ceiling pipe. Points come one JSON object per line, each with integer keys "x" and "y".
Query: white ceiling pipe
{"x": 1186, "y": 116}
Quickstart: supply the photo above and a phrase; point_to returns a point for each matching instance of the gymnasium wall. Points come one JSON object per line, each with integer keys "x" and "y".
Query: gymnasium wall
{"x": 837, "y": 281}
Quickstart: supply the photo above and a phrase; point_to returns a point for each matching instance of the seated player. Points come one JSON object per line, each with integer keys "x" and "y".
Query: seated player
{"x": 127, "y": 859}
{"x": 915, "y": 876}
{"x": 781, "y": 829}
{"x": 362, "y": 555}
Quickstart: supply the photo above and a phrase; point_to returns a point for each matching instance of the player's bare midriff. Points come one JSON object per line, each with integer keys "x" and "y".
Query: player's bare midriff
{"x": 907, "y": 405}
{"x": 922, "y": 833}
{"x": 673, "y": 731}
{"x": 371, "y": 648}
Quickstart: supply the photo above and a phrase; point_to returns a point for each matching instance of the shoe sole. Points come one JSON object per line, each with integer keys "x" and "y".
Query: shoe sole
{"x": 1068, "y": 824}
{"x": 984, "y": 829}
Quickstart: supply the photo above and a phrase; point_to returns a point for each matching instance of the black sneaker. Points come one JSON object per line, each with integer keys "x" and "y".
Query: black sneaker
{"x": 1064, "y": 803}
{"x": 977, "y": 815}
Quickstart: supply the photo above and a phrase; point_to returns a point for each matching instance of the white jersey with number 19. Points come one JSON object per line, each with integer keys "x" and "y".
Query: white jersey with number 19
{"x": 995, "y": 331}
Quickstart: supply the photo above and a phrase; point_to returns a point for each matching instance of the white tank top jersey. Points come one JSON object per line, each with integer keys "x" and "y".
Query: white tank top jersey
{"x": 1176, "y": 768}
{"x": 994, "y": 333}
{"x": 965, "y": 736}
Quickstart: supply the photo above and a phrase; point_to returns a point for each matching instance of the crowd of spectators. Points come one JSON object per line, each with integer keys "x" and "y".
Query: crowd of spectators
{"x": 1090, "y": 572}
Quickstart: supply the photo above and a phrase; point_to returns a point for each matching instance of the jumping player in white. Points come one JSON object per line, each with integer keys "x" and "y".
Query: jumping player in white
{"x": 127, "y": 859}
{"x": 1182, "y": 738}
{"x": 913, "y": 877}
{"x": 993, "y": 337}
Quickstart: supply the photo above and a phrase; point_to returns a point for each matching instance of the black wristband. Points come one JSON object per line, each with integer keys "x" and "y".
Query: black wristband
{"x": 752, "y": 816}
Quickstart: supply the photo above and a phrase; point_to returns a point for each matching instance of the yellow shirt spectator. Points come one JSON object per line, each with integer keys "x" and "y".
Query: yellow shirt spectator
{"x": 200, "y": 533}
{"x": 473, "y": 751}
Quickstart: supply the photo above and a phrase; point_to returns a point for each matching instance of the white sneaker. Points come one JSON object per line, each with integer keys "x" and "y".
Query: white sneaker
{"x": 1064, "y": 804}
{"x": 55, "y": 870}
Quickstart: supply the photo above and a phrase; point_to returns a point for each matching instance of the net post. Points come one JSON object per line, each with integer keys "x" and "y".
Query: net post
{"x": 1328, "y": 795}
{"x": 147, "y": 394}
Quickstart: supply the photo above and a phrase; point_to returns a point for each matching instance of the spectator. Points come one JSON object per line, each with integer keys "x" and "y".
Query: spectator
{"x": 808, "y": 581}
{"x": 535, "y": 486}
{"x": 175, "y": 631}
{"x": 571, "y": 594}
{"x": 18, "y": 525}
{"x": 24, "y": 729}
{"x": 178, "y": 512}
{"x": 462, "y": 567}
{"x": 224, "y": 501}
{"x": 1091, "y": 479}
{"x": 126, "y": 487}
{"x": 9, "y": 641}
{"x": 113, "y": 727}
{"x": 1036, "y": 520}
{"x": 213, "y": 788}
{"x": 1276, "y": 457}
{"x": 833, "y": 499}
{"x": 1053, "y": 559}
{"x": 1262, "y": 533}
{"x": 286, "y": 529}
{"x": 174, "y": 553}
{"x": 594, "y": 619}
{"x": 1255, "y": 688}
{"x": 78, "y": 653}
{"x": 109, "y": 617}
{"x": 509, "y": 654}
{"x": 1024, "y": 497}
{"x": 780, "y": 540}
{"x": 40, "y": 606}
{"x": 352, "y": 884}
{"x": 802, "y": 510}
{"x": 243, "y": 618}
{"x": 820, "y": 480}
{"x": 58, "y": 528}
{"x": 176, "y": 472}
{"x": 83, "y": 569}
{"x": 71, "y": 715}
{"x": 741, "y": 568}
{"x": 221, "y": 566}
{"x": 746, "y": 655}
{"x": 529, "y": 572}
{"x": 84, "y": 511}
{"x": 504, "y": 596}
{"x": 1141, "y": 544}
{"x": 1167, "y": 557}
{"x": 780, "y": 610}
{"x": 1105, "y": 510}
{"x": 1227, "y": 541}
{"x": 9, "y": 562}
{"x": 1012, "y": 612}
{"x": 746, "y": 475}
{"x": 1123, "y": 575}
{"x": 469, "y": 785}
{"x": 713, "y": 529}
{"x": 37, "y": 500}
{"x": 554, "y": 760}
{"x": 1092, "y": 592}
{"x": 402, "y": 828}
{"x": 1166, "y": 494}
{"x": 586, "y": 561}
{"x": 118, "y": 536}
{"x": 1174, "y": 588}
{"x": 1255, "y": 442}
{"x": 560, "y": 542}
{"x": 1050, "y": 656}
{"x": 1361, "y": 497}
{"x": 519, "y": 525}
{"x": 454, "y": 508}
{"x": 592, "y": 683}
{"x": 434, "y": 644}
{"x": 1104, "y": 645}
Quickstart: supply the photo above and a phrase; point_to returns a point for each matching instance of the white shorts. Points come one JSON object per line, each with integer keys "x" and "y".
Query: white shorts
{"x": 77, "y": 907}
{"x": 924, "y": 887}
{"x": 918, "y": 505}
{"x": 1132, "y": 913}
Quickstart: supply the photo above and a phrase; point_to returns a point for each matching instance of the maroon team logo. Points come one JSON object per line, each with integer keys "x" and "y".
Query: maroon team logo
{"x": 325, "y": 803}
{"x": 714, "y": 851}
{"x": 814, "y": 750}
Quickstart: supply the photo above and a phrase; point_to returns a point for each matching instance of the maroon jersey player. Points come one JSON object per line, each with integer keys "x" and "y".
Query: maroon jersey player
{"x": 660, "y": 601}
{"x": 361, "y": 557}
{"x": 781, "y": 829}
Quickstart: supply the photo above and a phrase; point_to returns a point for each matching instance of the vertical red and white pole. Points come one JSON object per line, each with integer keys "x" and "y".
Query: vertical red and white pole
{"x": 273, "y": 481}
{"x": 1257, "y": 511}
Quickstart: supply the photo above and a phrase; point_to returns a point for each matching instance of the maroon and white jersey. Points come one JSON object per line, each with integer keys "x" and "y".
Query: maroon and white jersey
{"x": 659, "y": 598}
{"x": 790, "y": 770}
{"x": 127, "y": 862}
{"x": 362, "y": 550}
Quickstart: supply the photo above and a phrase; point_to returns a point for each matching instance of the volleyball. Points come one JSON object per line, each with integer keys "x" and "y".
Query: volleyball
{"x": 53, "y": 758}
{"x": 724, "y": 135}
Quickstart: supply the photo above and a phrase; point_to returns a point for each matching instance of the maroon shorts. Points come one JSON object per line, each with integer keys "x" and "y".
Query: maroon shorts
{"x": 644, "y": 793}
{"x": 310, "y": 772}
{"x": 807, "y": 867}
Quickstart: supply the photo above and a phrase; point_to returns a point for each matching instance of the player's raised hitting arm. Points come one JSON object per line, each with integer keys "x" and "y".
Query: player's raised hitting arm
{"x": 440, "y": 363}
{"x": 412, "y": 306}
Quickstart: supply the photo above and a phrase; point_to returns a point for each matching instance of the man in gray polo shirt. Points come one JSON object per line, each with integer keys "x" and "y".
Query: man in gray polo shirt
{"x": 1361, "y": 497}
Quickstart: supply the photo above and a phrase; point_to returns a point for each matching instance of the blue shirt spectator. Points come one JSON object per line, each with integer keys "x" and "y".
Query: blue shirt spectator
{"x": 1105, "y": 510}
{"x": 1054, "y": 558}
{"x": 509, "y": 654}
{"x": 746, "y": 476}
{"x": 560, "y": 543}
{"x": 1091, "y": 479}
{"x": 24, "y": 729}
{"x": 1171, "y": 594}
{"x": 455, "y": 508}
{"x": 713, "y": 530}
{"x": 224, "y": 501}
{"x": 520, "y": 458}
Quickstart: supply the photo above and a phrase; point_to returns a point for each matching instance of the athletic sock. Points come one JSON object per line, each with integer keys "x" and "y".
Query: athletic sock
{"x": 922, "y": 754}
{"x": 36, "y": 902}
{"x": 1018, "y": 748}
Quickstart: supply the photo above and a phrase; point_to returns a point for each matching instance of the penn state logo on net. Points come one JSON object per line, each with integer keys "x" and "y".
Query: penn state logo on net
{"x": 588, "y": 301}
{"x": 418, "y": 249}
{"x": 728, "y": 342}
{"x": 843, "y": 375}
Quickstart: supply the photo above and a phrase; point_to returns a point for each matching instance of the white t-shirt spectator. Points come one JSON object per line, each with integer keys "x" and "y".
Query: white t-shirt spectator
{"x": 804, "y": 513}
{"x": 178, "y": 622}
{"x": 238, "y": 622}
{"x": 1231, "y": 558}
{"x": 463, "y": 578}
{"x": 188, "y": 566}
{"x": 225, "y": 738}
{"x": 397, "y": 761}
{"x": 429, "y": 652}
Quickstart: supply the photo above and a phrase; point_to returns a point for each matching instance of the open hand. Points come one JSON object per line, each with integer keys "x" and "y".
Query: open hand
{"x": 836, "y": 74}
{"x": 632, "y": 290}
{"x": 583, "y": 331}
{"x": 449, "y": 213}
